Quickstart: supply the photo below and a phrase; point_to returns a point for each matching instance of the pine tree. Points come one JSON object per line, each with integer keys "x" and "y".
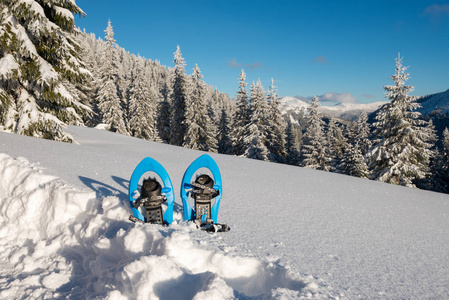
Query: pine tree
{"x": 155, "y": 76}
{"x": 142, "y": 108}
{"x": 212, "y": 102}
{"x": 109, "y": 37}
{"x": 86, "y": 90}
{"x": 352, "y": 162}
{"x": 164, "y": 114}
{"x": 241, "y": 117}
{"x": 178, "y": 100}
{"x": 439, "y": 166}
{"x": 293, "y": 143}
{"x": 362, "y": 133}
{"x": 275, "y": 127}
{"x": 125, "y": 71}
{"x": 213, "y": 105}
{"x": 255, "y": 138}
{"x": 313, "y": 151}
{"x": 200, "y": 134}
{"x": 336, "y": 142}
{"x": 443, "y": 172}
{"x": 224, "y": 140}
{"x": 445, "y": 153}
{"x": 401, "y": 151}
{"x": 39, "y": 63}
{"x": 108, "y": 101}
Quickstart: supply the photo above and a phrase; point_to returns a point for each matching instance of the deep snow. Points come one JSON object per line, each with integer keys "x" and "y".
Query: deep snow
{"x": 295, "y": 232}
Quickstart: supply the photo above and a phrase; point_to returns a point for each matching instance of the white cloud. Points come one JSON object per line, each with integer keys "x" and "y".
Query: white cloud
{"x": 437, "y": 10}
{"x": 233, "y": 63}
{"x": 321, "y": 59}
{"x": 255, "y": 65}
{"x": 330, "y": 98}
{"x": 336, "y": 97}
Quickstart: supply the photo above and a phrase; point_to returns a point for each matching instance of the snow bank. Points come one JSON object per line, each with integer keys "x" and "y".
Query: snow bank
{"x": 56, "y": 241}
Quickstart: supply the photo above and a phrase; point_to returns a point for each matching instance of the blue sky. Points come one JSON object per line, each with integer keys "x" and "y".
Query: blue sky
{"x": 342, "y": 49}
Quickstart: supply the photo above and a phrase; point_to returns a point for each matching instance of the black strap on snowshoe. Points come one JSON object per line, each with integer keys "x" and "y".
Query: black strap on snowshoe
{"x": 151, "y": 199}
{"x": 135, "y": 220}
{"x": 200, "y": 188}
{"x": 212, "y": 228}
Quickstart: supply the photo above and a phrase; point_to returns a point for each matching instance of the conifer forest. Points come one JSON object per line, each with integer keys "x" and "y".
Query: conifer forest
{"x": 52, "y": 74}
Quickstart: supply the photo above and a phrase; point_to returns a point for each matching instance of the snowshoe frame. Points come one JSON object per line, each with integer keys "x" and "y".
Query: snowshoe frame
{"x": 204, "y": 161}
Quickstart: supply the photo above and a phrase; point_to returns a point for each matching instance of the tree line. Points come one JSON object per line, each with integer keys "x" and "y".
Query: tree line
{"x": 56, "y": 75}
{"x": 167, "y": 105}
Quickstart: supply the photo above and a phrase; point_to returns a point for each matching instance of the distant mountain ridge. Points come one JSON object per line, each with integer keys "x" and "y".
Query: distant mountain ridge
{"x": 345, "y": 111}
{"x": 435, "y": 102}
{"x": 438, "y": 102}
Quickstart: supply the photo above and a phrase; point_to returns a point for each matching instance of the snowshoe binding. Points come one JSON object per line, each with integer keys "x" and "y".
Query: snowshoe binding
{"x": 152, "y": 194}
{"x": 152, "y": 200}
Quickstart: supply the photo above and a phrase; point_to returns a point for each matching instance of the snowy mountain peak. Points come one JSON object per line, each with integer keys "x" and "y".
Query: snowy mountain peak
{"x": 350, "y": 111}
{"x": 346, "y": 111}
{"x": 292, "y": 104}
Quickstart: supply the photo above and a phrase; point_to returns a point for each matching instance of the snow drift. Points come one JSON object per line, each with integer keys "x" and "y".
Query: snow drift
{"x": 57, "y": 241}
{"x": 295, "y": 232}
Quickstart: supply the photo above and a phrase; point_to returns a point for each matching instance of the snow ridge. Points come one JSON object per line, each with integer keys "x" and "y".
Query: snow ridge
{"x": 56, "y": 241}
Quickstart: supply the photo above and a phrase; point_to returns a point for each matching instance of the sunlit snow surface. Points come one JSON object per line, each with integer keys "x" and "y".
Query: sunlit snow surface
{"x": 296, "y": 233}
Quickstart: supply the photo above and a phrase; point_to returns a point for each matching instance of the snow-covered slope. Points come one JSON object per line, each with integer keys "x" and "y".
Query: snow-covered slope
{"x": 438, "y": 101}
{"x": 349, "y": 111}
{"x": 296, "y": 233}
{"x": 292, "y": 104}
{"x": 345, "y": 111}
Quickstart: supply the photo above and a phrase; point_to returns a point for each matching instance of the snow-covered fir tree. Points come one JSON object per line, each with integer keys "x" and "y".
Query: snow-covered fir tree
{"x": 352, "y": 162}
{"x": 125, "y": 68}
{"x": 109, "y": 104}
{"x": 361, "y": 133}
{"x": 401, "y": 152}
{"x": 224, "y": 131}
{"x": 313, "y": 151}
{"x": 293, "y": 143}
{"x": 445, "y": 153}
{"x": 275, "y": 127}
{"x": 213, "y": 102}
{"x": 255, "y": 139}
{"x": 241, "y": 117}
{"x": 39, "y": 63}
{"x": 442, "y": 173}
{"x": 87, "y": 89}
{"x": 109, "y": 37}
{"x": 178, "y": 100}
{"x": 164, "y": 113}
{"x": 336, "y": 142}
{"x": 214, "y": 107}
{"x": 200, "y": 132}
{"x": 142, "y": 107}
{"x": 126, "y": 65}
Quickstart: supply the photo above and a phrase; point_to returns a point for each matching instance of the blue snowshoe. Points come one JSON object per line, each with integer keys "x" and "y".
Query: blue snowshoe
{"x": 203, "y": 190}
{"x": 152, "y": 194}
